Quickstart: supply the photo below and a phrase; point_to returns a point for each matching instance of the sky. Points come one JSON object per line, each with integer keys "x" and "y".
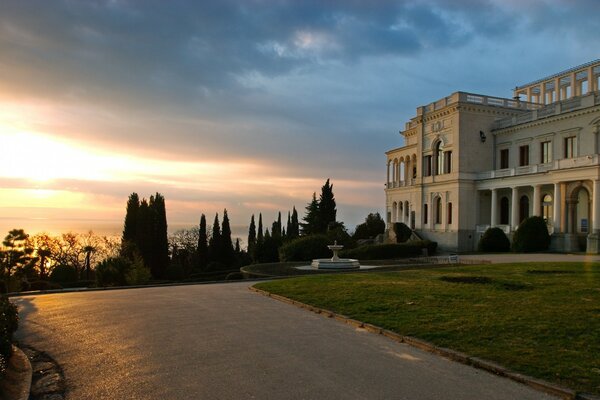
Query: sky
{"x": 246, "y": 105}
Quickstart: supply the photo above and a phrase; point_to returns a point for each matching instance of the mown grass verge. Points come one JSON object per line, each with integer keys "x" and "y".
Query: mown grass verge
{"x": 540, "y": 319}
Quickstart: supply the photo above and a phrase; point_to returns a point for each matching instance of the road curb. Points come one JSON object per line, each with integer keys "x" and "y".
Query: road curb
{"x": 16, "y": 384}
{"x": 453, "y": 355}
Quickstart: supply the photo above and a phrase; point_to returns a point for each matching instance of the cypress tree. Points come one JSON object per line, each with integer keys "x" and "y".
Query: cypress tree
{"x": 259, "y": 236}
{"x": 214, "y": 244}
{"x": 311, "y": 218}
{"x": 160, "y": 242}
{"x": 227, "y": 255}
{"x": 289, "y": 224}
{"x": 144, "y": 233}
{"x": 130, "y": 224}
{"x": 202, "y": 248}
{"x": 294, "y": 232}
{"x": 327, "y": 207}
{"x": 237, "y": 249}
{"x": 251, "y": 235}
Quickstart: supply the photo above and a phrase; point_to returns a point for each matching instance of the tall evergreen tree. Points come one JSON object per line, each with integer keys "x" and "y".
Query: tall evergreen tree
{"x": 294, "y": 230}
{"x": 227, "y": 255}
{"x": 202, "y": 248}
{"x": 130, "y": 224}
{"x": 160, "y": 242}
{"x": 259, "y": 236}
{"x": 327, "y": 207}
{"x": 237, "y": 248}
{"x": 311, "y": 218}
{"x": 214, "y": 244}
{"x": 288, "y": 225}
{"x": 251, "y": 235}
{"x": 276, "y": 227}
{"x": 144, "y": 234}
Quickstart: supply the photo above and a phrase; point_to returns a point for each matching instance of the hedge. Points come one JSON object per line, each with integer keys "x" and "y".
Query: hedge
{"x": 388, "y": 251}
{"x": 305, "y": 248}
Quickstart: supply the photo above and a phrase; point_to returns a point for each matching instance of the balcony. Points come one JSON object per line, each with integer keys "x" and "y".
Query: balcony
{"x": 565, "y": 163}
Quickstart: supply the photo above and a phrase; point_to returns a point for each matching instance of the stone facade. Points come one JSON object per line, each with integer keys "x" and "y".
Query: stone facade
{"x": 472, "y": 161}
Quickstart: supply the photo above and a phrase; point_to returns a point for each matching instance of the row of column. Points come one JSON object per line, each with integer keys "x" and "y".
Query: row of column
{"x": 560, "y": 92}
{"x": 557, "y": 203}
{"x": 397, "y": 172}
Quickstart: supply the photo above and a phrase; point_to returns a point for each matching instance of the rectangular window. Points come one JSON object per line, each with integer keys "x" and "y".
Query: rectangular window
{"x": 546, "y": 152}
{"x": 503, "y": 158}
{"x": 425, "y": 214}
{"x": 570, "y": 147}
{"x": 449, "y": 213}
{"x": 524, "y": 155}
{"x": 448, "y": 162}
{"x": 427, "y": 165}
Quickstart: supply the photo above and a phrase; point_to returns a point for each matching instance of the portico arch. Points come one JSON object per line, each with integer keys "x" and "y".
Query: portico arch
{"x": 579, "y": 206}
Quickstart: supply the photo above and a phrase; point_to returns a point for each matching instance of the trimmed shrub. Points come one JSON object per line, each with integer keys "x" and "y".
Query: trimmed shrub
{"x": 387, "y": 251}
{"x": 305, "y": 248}
{"x": 531, "y": 235}
{"x": 9, "y": 322}
{"x": 494, "y": 240}
{"x": 402, "y": 232}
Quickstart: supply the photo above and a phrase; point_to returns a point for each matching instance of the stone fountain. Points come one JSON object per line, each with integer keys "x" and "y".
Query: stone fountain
{"x": 335, "y": 262}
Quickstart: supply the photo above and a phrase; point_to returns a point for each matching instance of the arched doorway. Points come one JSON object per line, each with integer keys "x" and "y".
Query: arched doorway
{"x": 523, "y": 208}
{"x": 579, "y": 211}
{"x": 504, "y": 211}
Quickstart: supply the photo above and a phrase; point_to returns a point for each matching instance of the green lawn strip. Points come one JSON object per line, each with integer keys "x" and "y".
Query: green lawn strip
{"x": 540, "y": 319}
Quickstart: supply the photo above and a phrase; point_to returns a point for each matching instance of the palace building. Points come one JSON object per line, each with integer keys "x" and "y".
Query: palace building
{"x": 472, "y": 161}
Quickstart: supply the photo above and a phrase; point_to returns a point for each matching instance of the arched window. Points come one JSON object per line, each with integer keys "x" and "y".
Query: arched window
{"x": 547, "y": 208}
{"x": 439, "y": 159}
{"x": 449, "y": 213}
{"x": 425, "y": 212}
{"x": 438, "y": 210}
{"x": 523, "y": 208}
{"x": 504, "y": 211}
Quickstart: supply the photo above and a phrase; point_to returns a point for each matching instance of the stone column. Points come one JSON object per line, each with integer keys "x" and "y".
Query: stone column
{"x": 494, "y": 207}
{"x": 557, "y": 88}
{"x": 573, "y": 84}
{"x": 537, "y": 201}
{"x": 596, "y": 207}
{"x": 557, "y": 208}
{"x": 590, "y": 79}
{"x": 388, "y": 175}
{"x": 529, "y": 100}
{"x": 514, "y": 214}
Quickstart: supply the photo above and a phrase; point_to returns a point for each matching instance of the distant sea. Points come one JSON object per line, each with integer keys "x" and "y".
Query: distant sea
{"x": 99, "y": 227}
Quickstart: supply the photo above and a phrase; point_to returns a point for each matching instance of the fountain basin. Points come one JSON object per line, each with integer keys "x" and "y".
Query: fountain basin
{"x": 340, "y": 263}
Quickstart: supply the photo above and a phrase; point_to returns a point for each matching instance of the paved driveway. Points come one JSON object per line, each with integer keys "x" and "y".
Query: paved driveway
{"x": 222, "y": 341}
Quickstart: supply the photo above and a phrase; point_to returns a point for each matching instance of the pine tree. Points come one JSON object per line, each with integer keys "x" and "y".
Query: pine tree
{"x": 327, "y": 207}
{"x": 202, "y": 248}
{"x": 226, "y": 254}
{"x": 259, "y": 236}
{"x": 214, "y": 244}
{"x": 160, "y": 242}
{"x": 251, "y": 235}
{"x": 311, "y": 218}
{"x": 130, "y": 224}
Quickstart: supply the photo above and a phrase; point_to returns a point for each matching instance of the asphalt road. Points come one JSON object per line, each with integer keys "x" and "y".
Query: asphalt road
{"x": 222, "y": 341}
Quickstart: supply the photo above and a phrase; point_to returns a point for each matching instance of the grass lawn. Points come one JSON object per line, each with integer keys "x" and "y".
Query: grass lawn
{"x": 541, "y": 319}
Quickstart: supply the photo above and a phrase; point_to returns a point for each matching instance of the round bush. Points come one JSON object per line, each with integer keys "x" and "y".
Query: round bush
{"x": 532, "y": 235}
{"x": 402, "y": 232}
{"x": 494, "y": 240}
{"x": 305, "y": 248}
